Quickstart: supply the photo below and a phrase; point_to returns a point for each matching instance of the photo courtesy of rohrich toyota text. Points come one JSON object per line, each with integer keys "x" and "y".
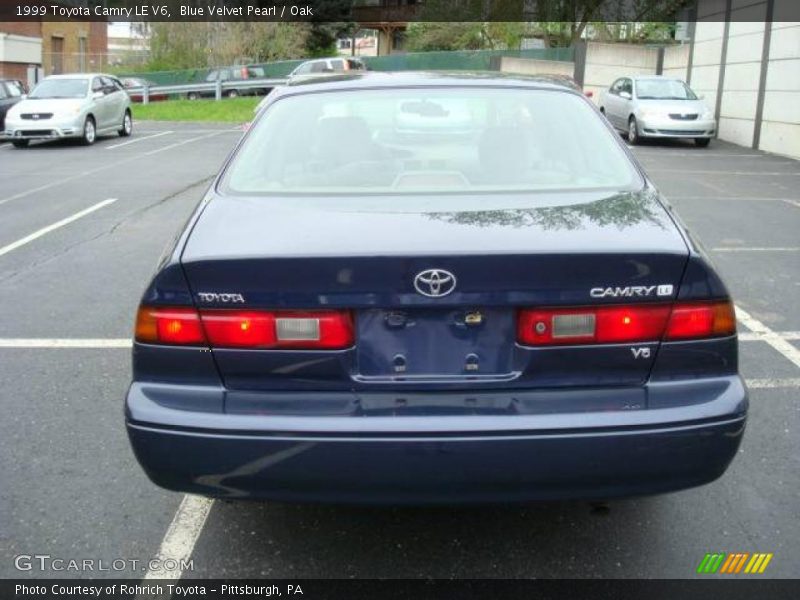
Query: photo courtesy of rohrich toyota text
{"x": 399, "y": 299}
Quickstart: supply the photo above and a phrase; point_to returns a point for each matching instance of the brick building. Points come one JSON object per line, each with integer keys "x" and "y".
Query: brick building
{"x": 20, "y": 48}
{"x": 29, "y": 50}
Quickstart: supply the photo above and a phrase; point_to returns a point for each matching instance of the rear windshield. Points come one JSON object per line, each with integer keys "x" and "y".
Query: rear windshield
{"x": 61, "y": 88}
{"x": 426, "y": 140}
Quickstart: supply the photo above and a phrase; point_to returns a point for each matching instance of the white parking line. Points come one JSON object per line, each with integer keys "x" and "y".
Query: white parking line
{"x": 756, "y": 249}
{"x": 65, "y": 343}
{"x": 726, "y": 198}
{"x": 792, "y": 202}
{"x": 708, "y": 172}
{"x": 769, "y": 336}
{"x": 189, "y": 141}
{"x": 697, "y": 153}
{"x": 138, "y": 139}
{"x": 178, "y": 543}
{"x": 54, "y": 226}
{"x": 765, "y": 384}
{"x": 123, "y": 161}
{"x": 749, "y": 336}
{"x": 744, "y": 336}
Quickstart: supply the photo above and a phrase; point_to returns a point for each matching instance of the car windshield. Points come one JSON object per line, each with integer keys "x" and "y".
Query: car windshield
{"x": 663, "y": 89}
{"x": 61, "y": 88}
{"x": 429, "y": 141}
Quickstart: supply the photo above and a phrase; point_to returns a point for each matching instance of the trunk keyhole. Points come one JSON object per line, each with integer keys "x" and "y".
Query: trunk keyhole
{"x": 399, "y": 363}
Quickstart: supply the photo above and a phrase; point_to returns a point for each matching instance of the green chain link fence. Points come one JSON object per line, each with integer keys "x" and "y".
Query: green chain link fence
{"x": 471, "y": 60}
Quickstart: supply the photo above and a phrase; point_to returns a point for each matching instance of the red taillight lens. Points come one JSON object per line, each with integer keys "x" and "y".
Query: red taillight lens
{"x": 239, "y": 329}
{"x": 595, "y": 325}
{"x": 178, "y": 326}
{"x": 690, "y": 321}
{"x": 325, "y": 330}
{"x": 312, "y": 330}
{"x": 624, "y": 324}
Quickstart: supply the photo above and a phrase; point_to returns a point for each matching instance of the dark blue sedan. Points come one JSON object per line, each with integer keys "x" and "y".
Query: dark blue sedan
{"x": 434, "y": 288}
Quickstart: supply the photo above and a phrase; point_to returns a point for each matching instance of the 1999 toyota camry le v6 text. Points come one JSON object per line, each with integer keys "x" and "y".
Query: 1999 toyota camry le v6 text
{"x": 420, "y": 288}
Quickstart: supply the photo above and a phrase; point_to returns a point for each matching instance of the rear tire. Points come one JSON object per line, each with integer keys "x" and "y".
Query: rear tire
{"x": 633, "y": 131}
{"x": 21, "y": 143}
{"x": 233, "y": 94}
{"x": 702, "y": 142}
{"x": 193, "y": 96}
{"x": 89, "y": 132}
{"x": 127, "y": 125}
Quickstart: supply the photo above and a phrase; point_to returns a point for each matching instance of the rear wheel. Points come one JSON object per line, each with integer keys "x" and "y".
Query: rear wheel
{"x": 702, "y": 142}
{"x": 21, "y": 143}
{"x": 633, "y": 131}
{"x": 233, "y": 94}
{"x": 89, "y": 132}
{"x": 193, "y": 95}
{"x": 127, "y": 125}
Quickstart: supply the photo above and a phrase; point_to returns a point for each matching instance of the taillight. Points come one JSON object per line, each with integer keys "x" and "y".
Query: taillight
{"x": 689, "y": 321}
{"x": 323, "y": 330}
{"x": 591, "y": 325}
{"x": 278, "y": 329}
{"x": 179, "y": 326}
{"x": 624, "y": 324}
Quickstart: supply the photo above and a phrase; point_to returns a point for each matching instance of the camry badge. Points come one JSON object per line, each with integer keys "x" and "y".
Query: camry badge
{"x": 435, "y": 283}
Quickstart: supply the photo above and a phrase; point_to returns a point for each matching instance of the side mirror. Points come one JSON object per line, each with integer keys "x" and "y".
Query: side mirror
{"x": 97, "y": 95}
{"x": 626, "y": 95}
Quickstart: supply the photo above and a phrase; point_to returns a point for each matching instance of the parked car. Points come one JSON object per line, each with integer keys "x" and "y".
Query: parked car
{"x": 319, "y": 69}
{"x": 516, "y": 315}
{"x": 321, "y": 66}
{"x": 11, "y": 92}
{"x": 79, "y": 106}
{"x": 136, "y": 96}
{"x": 657, "y": 107}
{"x": 232, "y": 74}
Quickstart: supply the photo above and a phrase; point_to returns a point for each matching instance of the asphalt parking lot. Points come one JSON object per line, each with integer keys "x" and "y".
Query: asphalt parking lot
{"x": 81, "y": 229}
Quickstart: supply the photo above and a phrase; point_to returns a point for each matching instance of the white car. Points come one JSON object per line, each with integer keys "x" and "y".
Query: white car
{"x": 81, "y": 106}
{"x": 657, "y": 107}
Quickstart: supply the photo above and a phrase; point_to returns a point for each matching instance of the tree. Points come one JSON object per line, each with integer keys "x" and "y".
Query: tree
{"x": 188, "y": 45}
{"x": 327, "y": 25}
{"x": 560, "y": 23}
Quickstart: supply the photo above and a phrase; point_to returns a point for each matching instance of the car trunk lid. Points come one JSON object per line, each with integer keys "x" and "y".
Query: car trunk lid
{"x": 366, "y": 255}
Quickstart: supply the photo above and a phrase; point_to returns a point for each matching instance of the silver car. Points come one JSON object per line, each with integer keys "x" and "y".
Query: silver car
{"x": 81, "y": 106}
{"x": 657, "y": 107}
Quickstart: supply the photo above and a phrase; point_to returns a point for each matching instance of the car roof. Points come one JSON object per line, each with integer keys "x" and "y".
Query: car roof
{"x": 404, "y": 79}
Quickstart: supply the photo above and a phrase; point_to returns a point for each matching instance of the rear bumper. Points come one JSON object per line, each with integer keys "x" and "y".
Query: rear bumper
{"x": 423, "y": 460}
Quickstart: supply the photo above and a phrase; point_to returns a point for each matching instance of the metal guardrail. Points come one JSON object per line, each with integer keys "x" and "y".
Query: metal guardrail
{"x": 218, "y": 87}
